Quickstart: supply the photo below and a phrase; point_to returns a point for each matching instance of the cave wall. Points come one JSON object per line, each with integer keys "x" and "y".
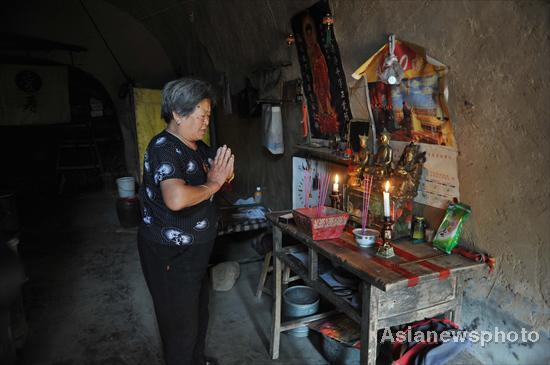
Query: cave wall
{"x": 251, "y": 36}
{"x": 498, "y": 53}
{"x": 141, "y": 55}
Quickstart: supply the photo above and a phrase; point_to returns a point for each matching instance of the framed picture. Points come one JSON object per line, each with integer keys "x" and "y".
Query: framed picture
{"x": 299, "y": 167}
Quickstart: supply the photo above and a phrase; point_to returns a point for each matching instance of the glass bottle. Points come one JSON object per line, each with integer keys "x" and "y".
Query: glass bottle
{"x": 258, "y": 195}
{"x": 419, "y": 230}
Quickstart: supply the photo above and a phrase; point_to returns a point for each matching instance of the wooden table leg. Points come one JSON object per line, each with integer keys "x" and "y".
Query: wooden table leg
{"x": 457, "y": 311}
{"x": 313, "y": 264}
{"x": 277, "y": 294}
{"x": 369, "y": 324}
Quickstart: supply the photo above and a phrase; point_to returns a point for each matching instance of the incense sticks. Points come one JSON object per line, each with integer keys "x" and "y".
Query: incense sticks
{"x": 367, "y": 185}
{"x": 325, "y": 189}
{"x": 323, "y": 183}
{"x": 307, "y": 188}
{"x": 324, "y": 180}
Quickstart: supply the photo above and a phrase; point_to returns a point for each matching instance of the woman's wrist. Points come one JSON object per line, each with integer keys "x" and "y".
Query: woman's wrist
{"x": 209, "y": 191}
{"x": 206, "y": 188}
{"x": 212, "y": 187}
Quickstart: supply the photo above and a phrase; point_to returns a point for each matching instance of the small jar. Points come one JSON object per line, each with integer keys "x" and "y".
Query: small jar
{"x": 418, "y": 230}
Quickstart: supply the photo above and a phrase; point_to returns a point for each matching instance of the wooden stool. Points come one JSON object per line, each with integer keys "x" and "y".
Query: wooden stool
{"x": 267, "y": 268}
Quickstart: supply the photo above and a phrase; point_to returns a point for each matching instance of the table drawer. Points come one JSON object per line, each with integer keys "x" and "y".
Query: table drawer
{"x": 426, "y": 295}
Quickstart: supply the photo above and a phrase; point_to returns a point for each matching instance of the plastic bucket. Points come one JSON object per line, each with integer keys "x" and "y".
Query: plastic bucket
{"x": 300, "y": 301}
{"x": 126, "y": 187}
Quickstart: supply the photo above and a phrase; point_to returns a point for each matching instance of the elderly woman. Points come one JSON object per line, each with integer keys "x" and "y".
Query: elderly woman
{"x": 180, "y": 176}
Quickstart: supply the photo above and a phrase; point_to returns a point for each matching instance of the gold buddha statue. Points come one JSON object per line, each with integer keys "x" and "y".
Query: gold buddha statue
{"x": 384, "y": 157}
{"x": 364, "y": 157}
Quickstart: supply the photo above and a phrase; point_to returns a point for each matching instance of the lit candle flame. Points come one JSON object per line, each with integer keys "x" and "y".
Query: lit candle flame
{"x": 336, "y": 179}
{"x": 387, "y": 186}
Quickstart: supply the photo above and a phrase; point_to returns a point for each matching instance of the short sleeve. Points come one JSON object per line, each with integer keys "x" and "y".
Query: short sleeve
{"x": 165, "y": 161}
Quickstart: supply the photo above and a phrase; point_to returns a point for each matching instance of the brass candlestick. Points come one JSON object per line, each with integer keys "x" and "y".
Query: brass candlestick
{"x": 336, "y": 199}
{"x": 386, "y": 250}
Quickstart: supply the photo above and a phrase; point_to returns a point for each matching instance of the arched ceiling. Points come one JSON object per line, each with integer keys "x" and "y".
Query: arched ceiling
{"x": 205, "y": 37}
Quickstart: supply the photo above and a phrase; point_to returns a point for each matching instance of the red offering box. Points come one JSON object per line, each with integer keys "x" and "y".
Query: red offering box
{"x": 329, "y": 224}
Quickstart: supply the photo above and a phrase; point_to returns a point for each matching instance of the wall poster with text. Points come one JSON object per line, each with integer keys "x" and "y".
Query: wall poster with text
{"x": 439, "y": 182}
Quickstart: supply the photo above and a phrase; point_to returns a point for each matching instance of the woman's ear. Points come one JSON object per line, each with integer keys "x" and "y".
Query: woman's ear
{"x": 176, "y": 117}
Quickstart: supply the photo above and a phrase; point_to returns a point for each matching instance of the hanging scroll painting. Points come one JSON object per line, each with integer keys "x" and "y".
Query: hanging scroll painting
{"x": 323, "y": 77}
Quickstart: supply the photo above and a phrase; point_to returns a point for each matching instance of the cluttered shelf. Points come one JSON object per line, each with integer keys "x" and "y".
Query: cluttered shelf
{"x": 323, "y": 153}
{"x": 410, "y": 301}
{"x": 385, "y": 274}
{"x": 348, "y": 305}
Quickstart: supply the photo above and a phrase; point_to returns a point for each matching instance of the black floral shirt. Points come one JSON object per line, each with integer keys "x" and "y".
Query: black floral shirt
{"x": 167, "y": 157}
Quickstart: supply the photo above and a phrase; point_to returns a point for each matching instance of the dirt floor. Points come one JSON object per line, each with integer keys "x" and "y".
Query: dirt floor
{"x": 87, "y": 302}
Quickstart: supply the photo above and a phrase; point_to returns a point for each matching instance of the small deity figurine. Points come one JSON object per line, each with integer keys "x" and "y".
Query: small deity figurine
{"x": 408, "y": 171}
{"x": 407, "y": 161}
{"x": 363, "y": 151}
{"x": 354, "y": 179}
{"x": 384, "y": 157}
{"x": 363, "y": 157}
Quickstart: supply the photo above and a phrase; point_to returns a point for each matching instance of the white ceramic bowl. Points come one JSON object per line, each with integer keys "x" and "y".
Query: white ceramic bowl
{"x": 367, "y": 239}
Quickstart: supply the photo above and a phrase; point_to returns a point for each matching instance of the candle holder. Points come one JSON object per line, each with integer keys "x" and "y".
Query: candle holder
{"x": 336, "y": 200}
{"x": 386, "y": 250}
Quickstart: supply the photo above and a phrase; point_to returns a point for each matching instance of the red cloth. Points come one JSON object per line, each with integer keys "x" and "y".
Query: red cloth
{"x": 476, "y": 256}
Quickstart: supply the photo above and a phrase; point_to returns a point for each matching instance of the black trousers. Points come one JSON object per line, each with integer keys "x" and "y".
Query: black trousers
{"x": 177, "y": 280}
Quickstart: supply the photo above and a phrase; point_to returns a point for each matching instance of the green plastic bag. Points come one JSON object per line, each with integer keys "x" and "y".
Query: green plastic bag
{"x": 448, "y": 233}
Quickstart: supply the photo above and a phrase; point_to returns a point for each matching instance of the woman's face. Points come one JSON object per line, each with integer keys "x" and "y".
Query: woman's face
{"x": 195, "y": 125}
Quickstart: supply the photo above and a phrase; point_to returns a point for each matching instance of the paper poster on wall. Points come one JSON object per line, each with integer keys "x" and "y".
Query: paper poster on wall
{"x": 299, "y": 168}
{"x": 439, "y": 181}
{"x": 34, "y": 95}
{"x": 415, "y": 109}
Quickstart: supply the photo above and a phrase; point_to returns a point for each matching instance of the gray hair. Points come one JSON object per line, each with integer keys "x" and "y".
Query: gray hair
{"x": 182, "y": 96}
